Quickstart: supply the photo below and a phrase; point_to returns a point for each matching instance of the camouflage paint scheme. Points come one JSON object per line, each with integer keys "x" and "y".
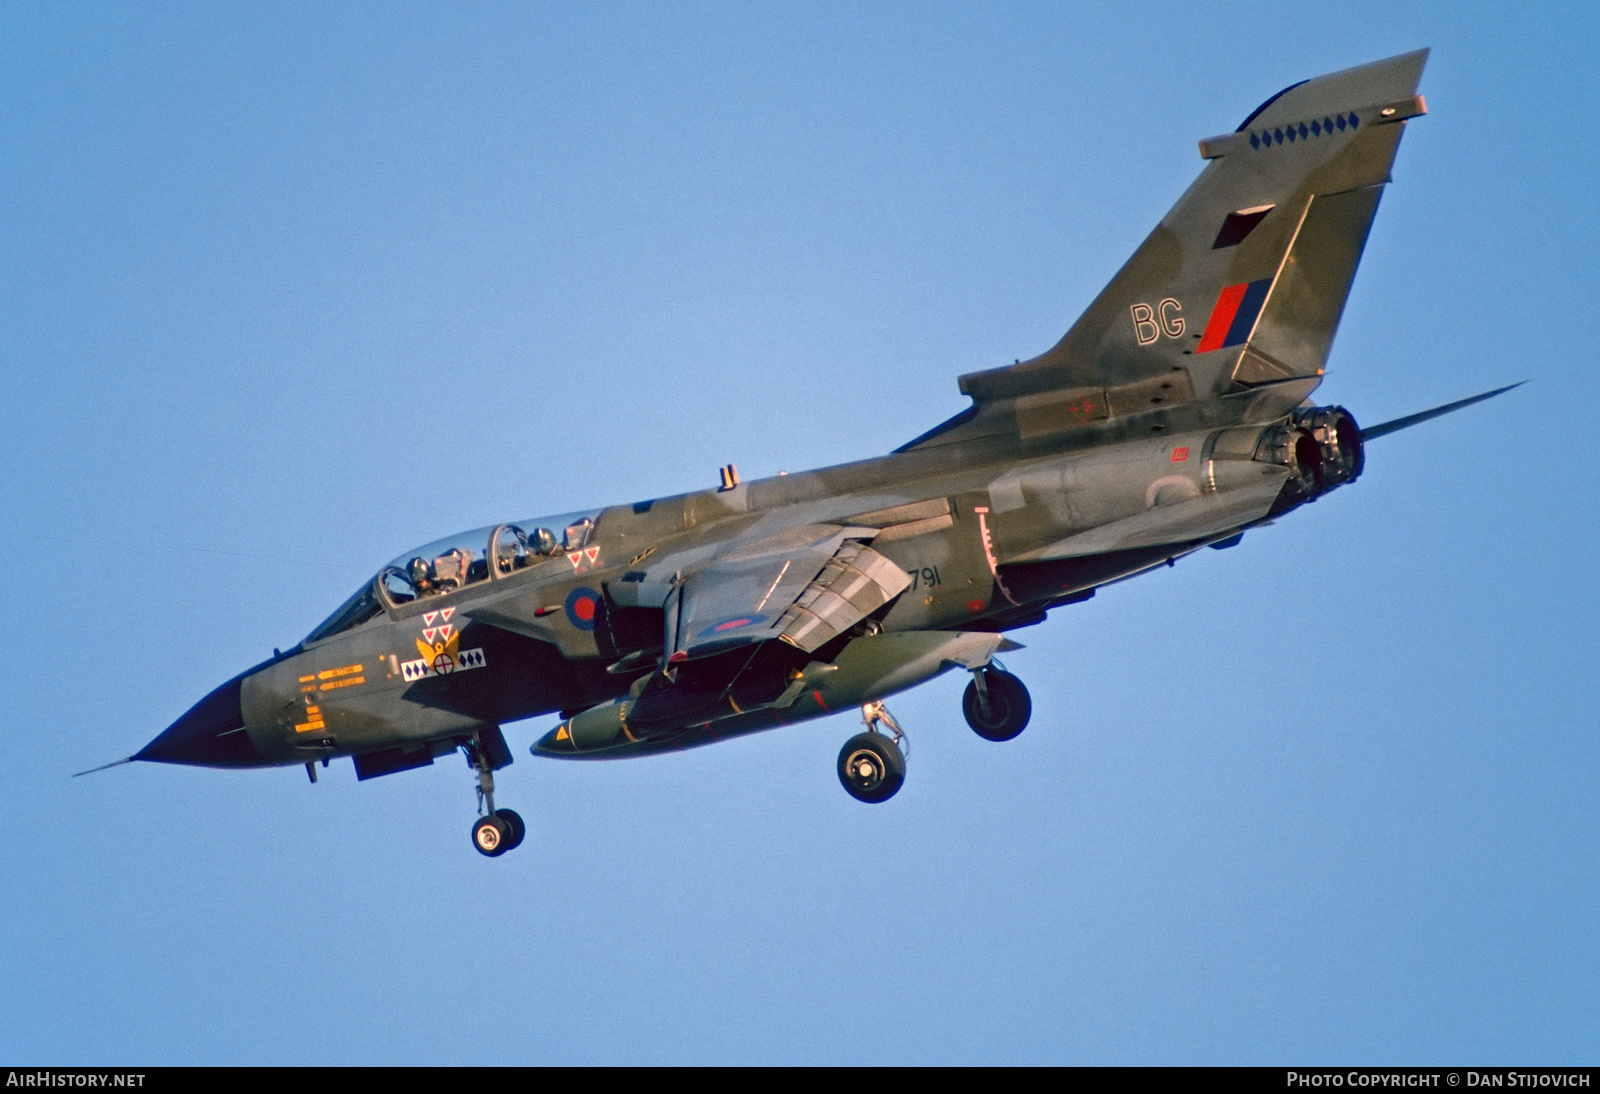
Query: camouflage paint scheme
{"x": 1174, "y": 415}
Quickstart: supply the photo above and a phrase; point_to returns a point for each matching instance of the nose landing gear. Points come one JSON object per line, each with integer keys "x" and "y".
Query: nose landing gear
{"x": 496, "y": 831}
{"x": 872, "y": 765}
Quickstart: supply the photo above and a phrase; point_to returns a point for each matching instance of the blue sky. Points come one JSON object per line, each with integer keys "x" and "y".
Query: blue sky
{"x": 287, "y": 289}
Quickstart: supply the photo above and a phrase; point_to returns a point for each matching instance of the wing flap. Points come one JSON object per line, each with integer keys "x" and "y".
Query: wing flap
{"x": 804, "y": 587}
{"x": 856, "y": 582}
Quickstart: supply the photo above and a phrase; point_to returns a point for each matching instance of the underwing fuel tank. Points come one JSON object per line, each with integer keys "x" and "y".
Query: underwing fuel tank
{"x": 870, "y": 668}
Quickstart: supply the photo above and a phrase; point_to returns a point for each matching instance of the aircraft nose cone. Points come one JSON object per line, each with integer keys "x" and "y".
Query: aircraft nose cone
{"x": 210, "y": 734}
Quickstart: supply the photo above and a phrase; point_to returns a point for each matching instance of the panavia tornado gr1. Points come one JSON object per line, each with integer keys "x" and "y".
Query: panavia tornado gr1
{"x": 1176, "y": 414}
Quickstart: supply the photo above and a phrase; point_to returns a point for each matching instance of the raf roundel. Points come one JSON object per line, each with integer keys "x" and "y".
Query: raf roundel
{"x": 582, "y": 606}
{"x": 730, "y": 625}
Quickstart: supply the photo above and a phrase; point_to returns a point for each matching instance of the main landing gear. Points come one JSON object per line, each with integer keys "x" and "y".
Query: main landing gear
{"x": 872, "y": 765}
{"x": 496, "y": 831}
{"x": 996, "y": 704}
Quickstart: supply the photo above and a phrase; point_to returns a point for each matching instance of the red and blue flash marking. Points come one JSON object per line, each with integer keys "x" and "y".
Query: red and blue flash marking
{"x": 1235, "y": 315}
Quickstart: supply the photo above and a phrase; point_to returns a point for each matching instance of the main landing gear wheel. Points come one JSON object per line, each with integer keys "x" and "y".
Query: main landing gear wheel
{"x": 996, "y": 704}
{"x": 871, "y": 767}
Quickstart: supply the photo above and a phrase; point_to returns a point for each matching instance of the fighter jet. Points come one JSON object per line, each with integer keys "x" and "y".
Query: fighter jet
{"x": 1174, "y": 415}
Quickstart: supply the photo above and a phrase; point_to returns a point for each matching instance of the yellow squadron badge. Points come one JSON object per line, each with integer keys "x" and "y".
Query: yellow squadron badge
{"x": 443, "y": 654}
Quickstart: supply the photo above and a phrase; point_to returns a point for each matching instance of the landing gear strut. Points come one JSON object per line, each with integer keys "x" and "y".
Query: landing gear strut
{"x": 496, "y": 831}
{"x": 996, "y": 704}
{"x": 872, "y": 765}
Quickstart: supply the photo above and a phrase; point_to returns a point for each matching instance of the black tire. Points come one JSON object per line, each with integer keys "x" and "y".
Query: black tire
{"x": 871, "y": 768}
{"x": 491, "y": 836}
{"x": 1009, "y": 707}
{"x": 518, "y": 829}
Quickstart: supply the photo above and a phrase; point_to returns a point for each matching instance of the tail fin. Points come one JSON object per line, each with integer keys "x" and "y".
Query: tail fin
{"x": 1243, "y": 283}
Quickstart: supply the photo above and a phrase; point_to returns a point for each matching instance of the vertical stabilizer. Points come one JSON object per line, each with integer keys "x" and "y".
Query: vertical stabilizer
{"x": 1242, "y": 284}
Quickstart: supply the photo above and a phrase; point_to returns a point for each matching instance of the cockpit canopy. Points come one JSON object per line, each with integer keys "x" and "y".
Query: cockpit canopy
{"x": 453, "y": 563}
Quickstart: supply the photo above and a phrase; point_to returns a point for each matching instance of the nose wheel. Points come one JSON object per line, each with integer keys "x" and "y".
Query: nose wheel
{"x": 496, "y": 831}
{"x": 872, "y": 765}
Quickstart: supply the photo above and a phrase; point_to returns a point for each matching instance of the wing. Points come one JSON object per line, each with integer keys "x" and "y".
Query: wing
{"x": 804, "y": 591}
{"x": 739, "y": 625}
{"x": 1240, "y": 287}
